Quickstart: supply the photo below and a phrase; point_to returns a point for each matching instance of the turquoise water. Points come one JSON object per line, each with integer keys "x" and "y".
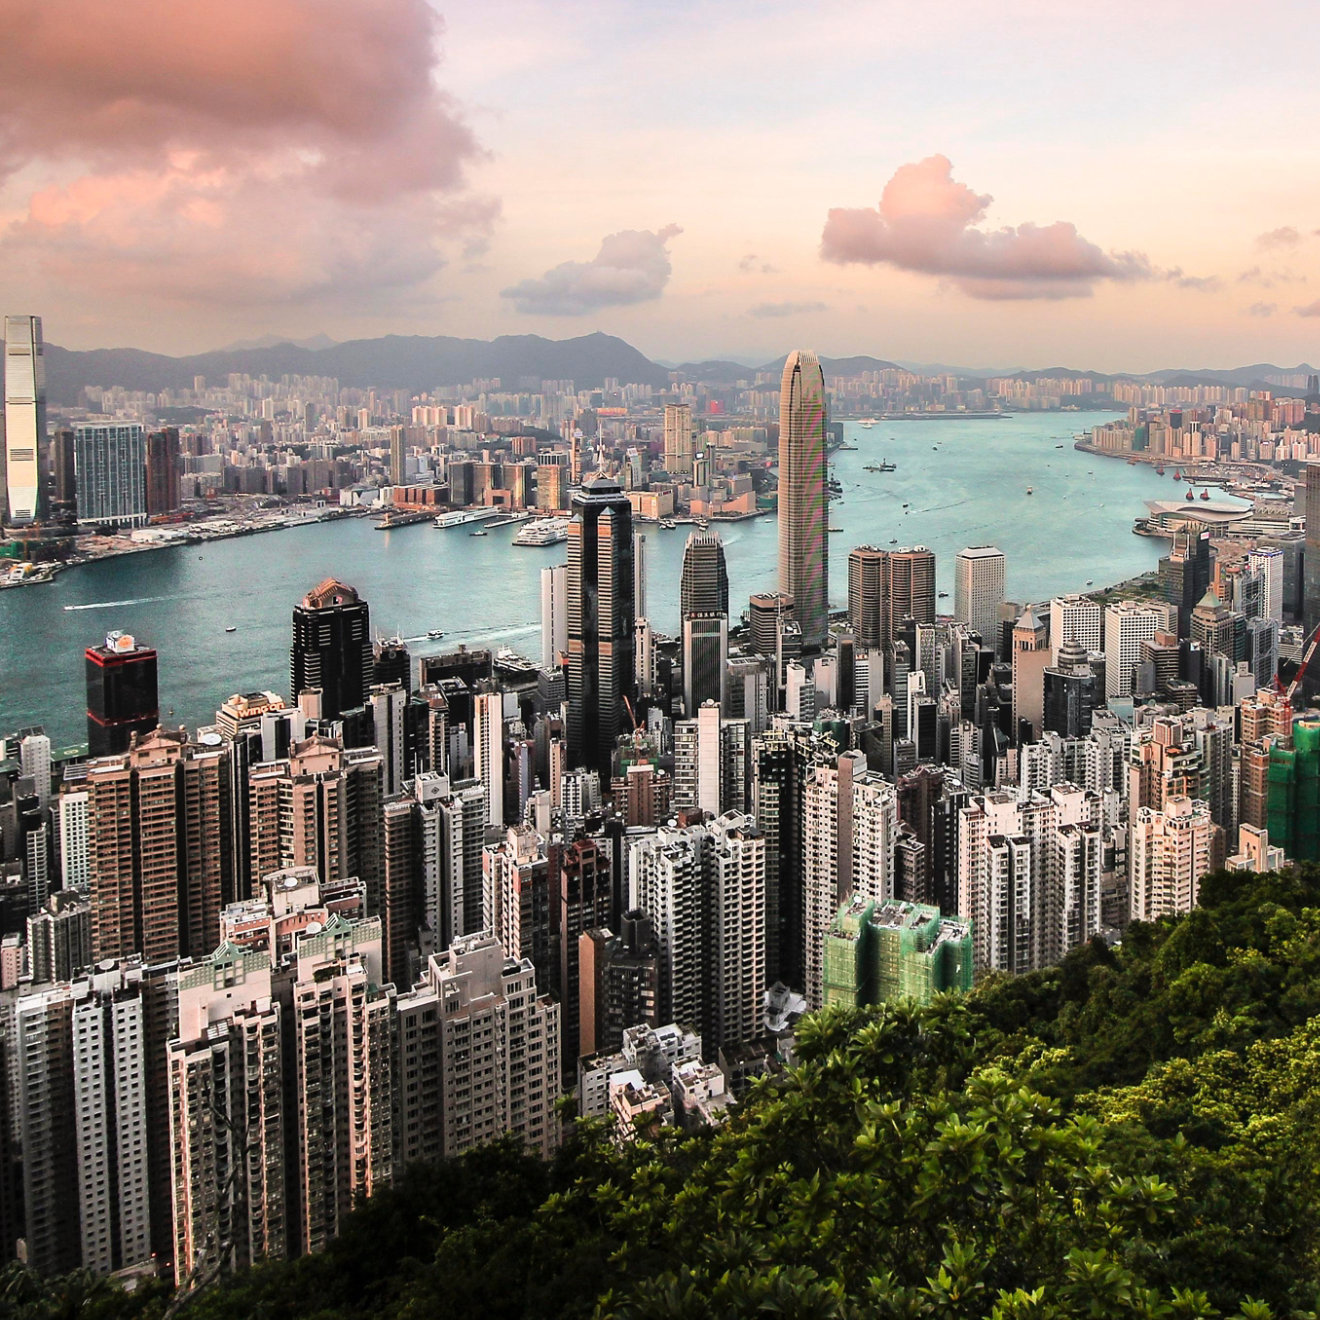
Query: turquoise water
{"x": 480, "y": 590}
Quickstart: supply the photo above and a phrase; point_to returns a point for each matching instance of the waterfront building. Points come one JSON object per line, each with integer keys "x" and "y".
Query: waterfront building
{"x": 803, "y": 506}
{"x": 978, "y": 592}
{"x": 331, "y": 649}
{"x": 121, "y": 693}
{"x": 869, "y": 615}
{"x": 704, "y": 584}
{"x": 111, "y": 463}
{"x": 601, "y": 623}
{"x": 24, "y": 421}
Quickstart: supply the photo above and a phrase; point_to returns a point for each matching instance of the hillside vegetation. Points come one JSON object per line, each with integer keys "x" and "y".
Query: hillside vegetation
{"x": 1133, "y": 1133}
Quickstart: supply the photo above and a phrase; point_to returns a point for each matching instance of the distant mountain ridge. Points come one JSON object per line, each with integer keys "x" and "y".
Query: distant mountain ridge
{"x": 417, "y": 363}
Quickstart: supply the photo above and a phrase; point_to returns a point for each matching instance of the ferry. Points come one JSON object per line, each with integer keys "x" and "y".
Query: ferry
{"x": 543, "y": 532}
{"x": 435, "y": 634}
{"x": 458, "y": 517}
{"x": 866, "y": 423}
{"x": 880, "y": 467}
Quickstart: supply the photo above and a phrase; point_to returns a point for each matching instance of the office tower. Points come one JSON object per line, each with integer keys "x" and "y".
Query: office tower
{"x": 619, "y": 982}
{"x": 711, "y": 762}
{"x": 164, "y": 468}
{"x": 704, "y": 585}
{"x": 59, "y": 937}
{"x": 803, "y": 507}
{"x": 1030, "y": 658}
{"x": 978, "y": 591}
{"x": 398, "y": 456}
{"x": 64, "y": 473}
{"x": 705, "y": 659}
{"x": 881, "y": 952}
{"x": 331, "y": 648}
{"x": 488, "y": 751}
{"x": 1269, "y": 563}
{"x": 767, "y": 611}
{"x": 388, "y": 704}
{"x": 869, "y": 596}
{"x": 71, "y": 814}
{"x": 111, "y": 462}
{"x": 1072, "y": 693}
{"x": 601, "y": 620}
{"x": 161, "y": 855}
{"x": 551, "y": 487}
{"x": 911, "y": 587}
{"x": 320, "y": 807}
{"x": 1076, "y": 619}
{"x": 1029, "y": 869}
{"x": 1128, "y": 624}
{"x": 639, "y": 574}
{"x": 232, "y": 1202}
{"x": 121, "y": 693}
{"x": 554, "y": 616}
{"x": 391, "y": 663}
{"x": 1311, "y": 561}
{"x": 24, "y": 421}
{"x": 1185, "y": 573}
{"x": 497, "y": 1046}
{"x": 1218, "y": 629}
{"x": 679, "y": 440}
{"x": 1169, "y": 851}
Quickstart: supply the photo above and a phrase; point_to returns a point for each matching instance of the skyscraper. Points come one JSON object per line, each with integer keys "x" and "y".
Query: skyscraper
{"x": 803, "y": 510}
{"x": 331, "y": 648}
{"x": 25, "y": 420}
{"x": 911, "y": 586}
{"x": 1311, "y": 596}
{"x": 704, "y": 586}
{"x": 110, "y": 460}
{"x": 978, "y": 591}
{"x": 164, "y": 467}
{"x": 554, "y": 615}
{"x": 680, "y": 442}
{"x": 121, "y": 693}
{"x": 868, "y": 595}
{"x": 600, "y": 622}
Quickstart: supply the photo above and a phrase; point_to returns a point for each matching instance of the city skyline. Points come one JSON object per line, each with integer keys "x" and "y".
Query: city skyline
{"x": 147, "y": 208}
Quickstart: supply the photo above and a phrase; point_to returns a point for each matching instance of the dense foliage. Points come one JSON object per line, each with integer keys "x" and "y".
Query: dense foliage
{"x": 1134, "y": 1133}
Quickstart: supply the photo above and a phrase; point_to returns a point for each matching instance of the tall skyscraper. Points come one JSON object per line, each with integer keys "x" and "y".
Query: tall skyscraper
{"x": 868, "y": 596}
{"x": 911, "y": 586}
{"x": 25, "y": 420}
{"x": 705, "y": 659}
{"x": 1185, "y": 574}
{"x": 164, "y": 468}
{"x": 1268, "y": 561}
{"x": 803, "y": 509}
{"x": 1076, "y": 619}
{"x": 704, "y": 586}
{"x": 1311, "y": 593}
{"x": 121, "y": 693}
{"x": 331, "y": 648}
{"x": 680, "y": 440}
{"x": 978, "y": 591}
{"x": 1128, "y": 623}
{"x": 554, "y": 616}
{"x": 601, "y": 622}
{"x": 110, "y": 459}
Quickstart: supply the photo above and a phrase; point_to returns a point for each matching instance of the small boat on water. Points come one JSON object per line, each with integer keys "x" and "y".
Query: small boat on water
{"x": 1030, "y": 490}
{"x": 435, "y": 634}
{"x": 943, "y": 594}
{"x": 231, "y": 628}
{"x": 480, "y": 531}
{"x": 1191, "y": 494}
{"x": 1090, "y": 582}
{"x": 1205, "y": 494}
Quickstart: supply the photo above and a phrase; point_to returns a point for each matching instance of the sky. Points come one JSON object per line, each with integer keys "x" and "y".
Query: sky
{"x": 1119, "y": 186}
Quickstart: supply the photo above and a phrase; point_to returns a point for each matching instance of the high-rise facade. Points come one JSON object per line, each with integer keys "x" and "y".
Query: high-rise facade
{"x": 164, "y": 468}
{"x": 554, "y": 616}
{"x": 978, "y": 591}
{"x": 911, "y": 586}
{"x": 868, "y": 596}
{"x": 1311, "y": 561}
{"x": 1076, "y": 619}
{"x": 121, "y": 693}
{"x": 601, "y": 622}
{"x": 803, "y": 507}
{"x": 679, "y": 440}
{"x": 110, "y": 459}
{"x": 331, "y": 648}
{"x": 1170, "y": 851}
{"x": 704, "y": 585}
{"x": 1128, "y": 623}
{"x": 24, "y": 420}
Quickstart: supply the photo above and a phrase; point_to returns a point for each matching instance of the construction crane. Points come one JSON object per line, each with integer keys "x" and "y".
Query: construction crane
{"x": 1301, "y": 670}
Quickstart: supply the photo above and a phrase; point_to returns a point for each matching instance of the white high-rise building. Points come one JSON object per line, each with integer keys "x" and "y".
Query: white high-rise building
{"x": 1128, "y": 623}
{"x": 24, "y": 420}
{"x": 978, "y": 590}
{"x": 34, "y": 762}
{"x": 711, "y": 762}
{"x": 1169, "y": 852}
{"x": 488, "y": 751}
{"x": 110, "y": 460}
{"x": 554, "y": 615}
{"x": 1269, "y": 562}
{"x": 1076, "y": 619}
{"x": 733, "y": 1009}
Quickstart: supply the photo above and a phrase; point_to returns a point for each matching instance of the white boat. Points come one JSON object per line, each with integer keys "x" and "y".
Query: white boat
{"x": 435, "y": 634}
{"x": 457, "y": 517}
{"x": 543, "y": 532}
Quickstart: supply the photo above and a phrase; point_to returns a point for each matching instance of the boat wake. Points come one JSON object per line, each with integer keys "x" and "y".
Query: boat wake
{"x": 116, "y": 604}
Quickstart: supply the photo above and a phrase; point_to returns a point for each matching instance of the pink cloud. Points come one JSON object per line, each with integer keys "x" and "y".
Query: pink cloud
{"x": 1285, "y": 236}
{"x": 257, "y": 151}
{"x": 926, "y": 222}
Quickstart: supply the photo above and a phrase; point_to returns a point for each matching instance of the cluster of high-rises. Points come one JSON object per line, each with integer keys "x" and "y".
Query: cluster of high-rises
{"x": 249, "y": 973}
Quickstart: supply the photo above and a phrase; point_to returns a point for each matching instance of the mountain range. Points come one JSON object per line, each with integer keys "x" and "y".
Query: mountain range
{"x": 418, "y": 363}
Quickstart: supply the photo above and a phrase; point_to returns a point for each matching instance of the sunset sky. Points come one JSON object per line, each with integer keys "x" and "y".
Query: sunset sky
{"x": 1119, "y": 186}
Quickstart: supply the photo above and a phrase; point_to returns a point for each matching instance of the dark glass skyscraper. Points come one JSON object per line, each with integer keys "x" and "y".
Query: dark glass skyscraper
{"x": 704, "y": 586}
{"x": 331, "y": 648}
{"x": 600, "y": 622}
{"x": 121, "y": 694}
